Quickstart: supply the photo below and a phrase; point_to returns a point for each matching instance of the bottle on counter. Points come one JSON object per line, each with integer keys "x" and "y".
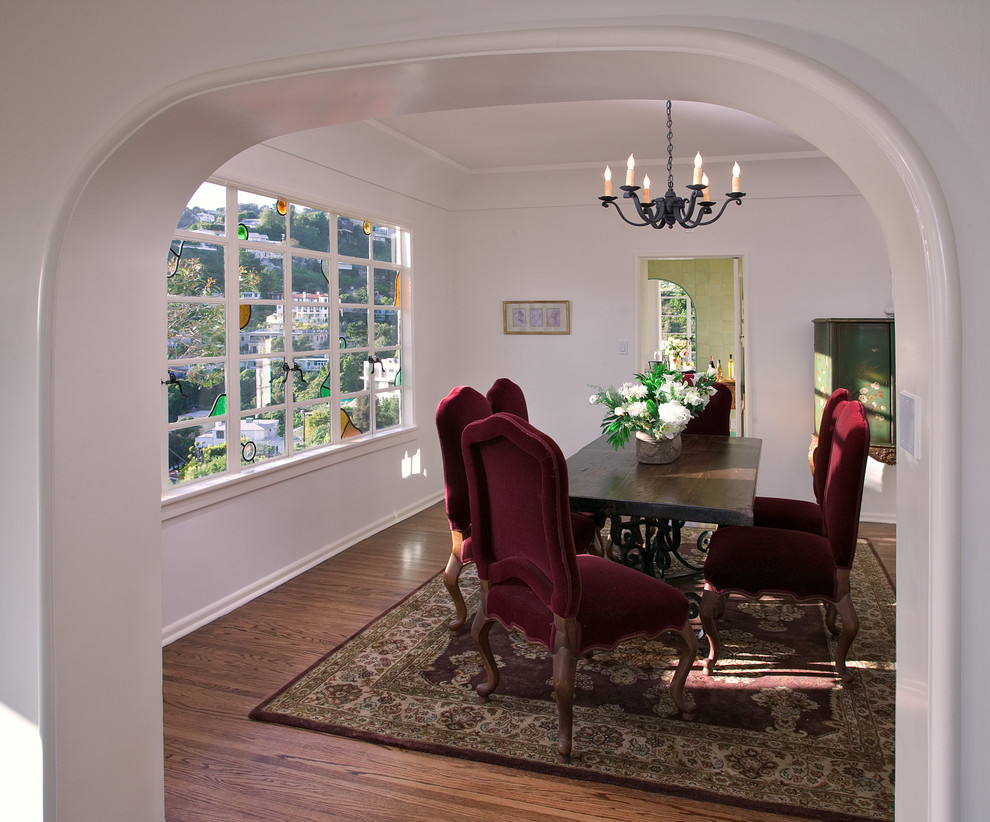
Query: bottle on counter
{"x": 718, "y": 371}
{"x": 732, "y": 372}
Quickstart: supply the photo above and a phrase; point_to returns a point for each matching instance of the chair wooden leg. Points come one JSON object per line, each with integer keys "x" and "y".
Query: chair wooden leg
{"x": 850, "y": 627}
{"x": 564, "y": 673}
{"x": 711, "y": 603}
{"x": 686, "y": 639}
{"x": 480, "y": 628}
{"x": 830, "y": 615}
{"x": 451, "y": 580}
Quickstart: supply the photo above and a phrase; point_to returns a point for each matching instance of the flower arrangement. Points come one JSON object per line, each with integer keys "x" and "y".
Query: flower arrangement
{"x": 660, "y": 403}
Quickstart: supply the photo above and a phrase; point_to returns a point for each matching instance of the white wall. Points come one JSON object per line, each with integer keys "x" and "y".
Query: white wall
{"x": 100, "y": 71}
{"x": 217, "y": 556}
{"x": 575, "y": 250}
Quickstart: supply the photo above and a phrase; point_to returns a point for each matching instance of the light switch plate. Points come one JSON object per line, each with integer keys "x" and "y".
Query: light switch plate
{"x": 908, "y": 424}
{"x": 623, "y": 346}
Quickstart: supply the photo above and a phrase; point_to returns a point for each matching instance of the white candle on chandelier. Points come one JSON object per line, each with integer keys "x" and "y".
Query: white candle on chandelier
{"x": 646, "y": 188}
{"x": 704, "y": 194}
{"x": 735, "y": 178}
{"x": 630, "y": 167}
{"x": 697, "y": 169}
{"x": 608, "y": 181}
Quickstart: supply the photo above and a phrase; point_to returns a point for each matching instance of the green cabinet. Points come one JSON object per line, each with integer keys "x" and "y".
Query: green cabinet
{"x": 858, "y": 355}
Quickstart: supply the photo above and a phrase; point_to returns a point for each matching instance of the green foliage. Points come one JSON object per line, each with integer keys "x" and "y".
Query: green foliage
{"x": 204, "y": 462}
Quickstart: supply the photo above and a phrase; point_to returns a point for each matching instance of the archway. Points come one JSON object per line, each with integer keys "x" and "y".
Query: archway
{"x": 101, "y": 656}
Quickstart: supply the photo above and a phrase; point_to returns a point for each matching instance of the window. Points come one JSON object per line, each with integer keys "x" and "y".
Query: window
{"x": 285, "y": 332}
{"x": 678, "y": 320}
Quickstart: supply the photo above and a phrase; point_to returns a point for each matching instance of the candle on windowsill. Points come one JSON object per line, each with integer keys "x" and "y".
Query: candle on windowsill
{"x": 630, "y": 169}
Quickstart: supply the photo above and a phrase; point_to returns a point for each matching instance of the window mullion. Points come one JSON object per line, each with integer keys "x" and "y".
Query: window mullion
{"x": 232, "y": 271}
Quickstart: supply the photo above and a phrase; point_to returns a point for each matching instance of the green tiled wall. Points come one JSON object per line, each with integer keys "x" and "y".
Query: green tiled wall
{"x": 709, "y": 282}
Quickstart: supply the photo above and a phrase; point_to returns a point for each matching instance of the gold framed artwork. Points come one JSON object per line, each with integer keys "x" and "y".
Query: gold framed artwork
{"x": 536, "y": 317}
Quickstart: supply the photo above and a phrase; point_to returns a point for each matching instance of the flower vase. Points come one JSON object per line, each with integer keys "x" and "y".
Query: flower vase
{"x": 657, "y": 451}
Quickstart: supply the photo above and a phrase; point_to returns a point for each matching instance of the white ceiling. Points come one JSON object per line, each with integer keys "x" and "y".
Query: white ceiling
{"x": 591, "y": 133}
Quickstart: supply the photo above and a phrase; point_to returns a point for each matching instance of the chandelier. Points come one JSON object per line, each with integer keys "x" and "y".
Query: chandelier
{"x": 670, "y": 209}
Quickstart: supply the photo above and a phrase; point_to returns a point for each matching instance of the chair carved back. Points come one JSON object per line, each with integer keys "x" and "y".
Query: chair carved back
{"x": 714, "y": 420}
{"x": 505, "y": 395}
{"x": 463, "y": 405}
{"x": 843, "y": 494}
{"x": 823, "y": 452}
{"x": 521, "y": 534}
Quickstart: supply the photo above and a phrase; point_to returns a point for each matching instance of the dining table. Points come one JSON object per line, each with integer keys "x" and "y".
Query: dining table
{"x": 712, "y": 482}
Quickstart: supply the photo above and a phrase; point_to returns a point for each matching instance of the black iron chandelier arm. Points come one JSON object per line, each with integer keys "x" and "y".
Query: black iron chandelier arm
{"x": 706, "y": 209}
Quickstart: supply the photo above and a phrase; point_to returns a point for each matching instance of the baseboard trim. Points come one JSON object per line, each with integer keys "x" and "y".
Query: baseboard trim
{"x": 204, "y": 616}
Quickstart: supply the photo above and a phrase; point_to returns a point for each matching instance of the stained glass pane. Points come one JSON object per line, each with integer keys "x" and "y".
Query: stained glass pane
{"x": 261, "y": 383}
{"x": 309, "y": 228}
{"x": 354, "y": 418}
{"x": 205, "y": 210}
{"x": 259, "y": 215}
{"x": 387, "y": 371}
{"x": 263, "y": 332}
{"x": 262, "y": 274}
{"x": 352, "y": 283}
{"x": 354, "y": 327}
{"x": 311, "y": 426}
{"x": 386, "y": 286}
{"x": 195, "y": 269}
{"x": 385, "y": 243}
{"x": 197, "y": 391}
{"x": 196, "y": 451}
{"x": 195, "y": 330}
{"x": 262, "y": 437}
{"x": 310, "y": 278}
{"x": 352, "y": 241}
{"x": 387, "y": 410}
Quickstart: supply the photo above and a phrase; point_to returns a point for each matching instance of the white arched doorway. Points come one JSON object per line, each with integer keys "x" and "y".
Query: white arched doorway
{"x": 102, "y": 652}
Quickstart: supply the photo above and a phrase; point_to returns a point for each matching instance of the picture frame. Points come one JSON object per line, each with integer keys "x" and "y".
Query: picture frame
{"x": 536, "y": 317}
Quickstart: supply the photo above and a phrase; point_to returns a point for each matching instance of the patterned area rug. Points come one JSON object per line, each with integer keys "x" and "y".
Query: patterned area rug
{"x": 773, "y": 730}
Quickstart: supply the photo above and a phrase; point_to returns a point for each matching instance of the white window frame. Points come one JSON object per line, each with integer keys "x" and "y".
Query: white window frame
{"x": 238, "y": 478}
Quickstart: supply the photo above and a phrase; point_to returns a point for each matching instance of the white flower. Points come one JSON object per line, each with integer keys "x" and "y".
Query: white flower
{"x": 637, "y": 409}
{"x": 593, "y": 399}
{"x": 633, "y": 390}
{"x": 619, "y": 411}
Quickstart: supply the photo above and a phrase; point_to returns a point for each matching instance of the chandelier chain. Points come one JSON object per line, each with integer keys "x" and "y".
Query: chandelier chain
{"x": 670, "y": 149}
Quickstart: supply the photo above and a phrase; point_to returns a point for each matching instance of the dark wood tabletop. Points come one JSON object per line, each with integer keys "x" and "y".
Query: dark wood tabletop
{"x": 713, "y": 481}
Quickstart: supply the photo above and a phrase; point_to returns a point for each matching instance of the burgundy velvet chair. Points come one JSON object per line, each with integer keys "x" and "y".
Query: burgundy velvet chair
{"x": 714, "y": 420}
{"x": 461, "y": 406}
{"x": 803, "y": 515}
{"x": 505, "y": 395}
{"x": 532, "y": 578}
{"x": 757, "y": 561}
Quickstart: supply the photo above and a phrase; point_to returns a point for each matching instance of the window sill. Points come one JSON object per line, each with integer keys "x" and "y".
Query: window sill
{"x": 184, "y": 500}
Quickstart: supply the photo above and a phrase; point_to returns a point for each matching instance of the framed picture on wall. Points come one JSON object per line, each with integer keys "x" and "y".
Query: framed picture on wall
{"x": 537, "y": 317}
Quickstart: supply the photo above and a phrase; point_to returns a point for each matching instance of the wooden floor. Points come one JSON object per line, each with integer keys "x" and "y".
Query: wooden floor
{"x": 221, "y": 766}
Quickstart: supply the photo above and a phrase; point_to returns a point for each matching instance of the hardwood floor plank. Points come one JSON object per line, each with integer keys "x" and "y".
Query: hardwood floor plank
{"x": 219, "y": 765}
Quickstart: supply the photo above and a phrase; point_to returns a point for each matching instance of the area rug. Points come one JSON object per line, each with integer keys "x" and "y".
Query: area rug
{"x": 773, "y": 730}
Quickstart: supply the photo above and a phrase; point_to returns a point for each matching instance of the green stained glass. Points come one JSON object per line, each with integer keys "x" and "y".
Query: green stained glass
{"x": 325, "y": 386}
{"x": 242, "y": 231}
{"x": 219, "y": 406}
